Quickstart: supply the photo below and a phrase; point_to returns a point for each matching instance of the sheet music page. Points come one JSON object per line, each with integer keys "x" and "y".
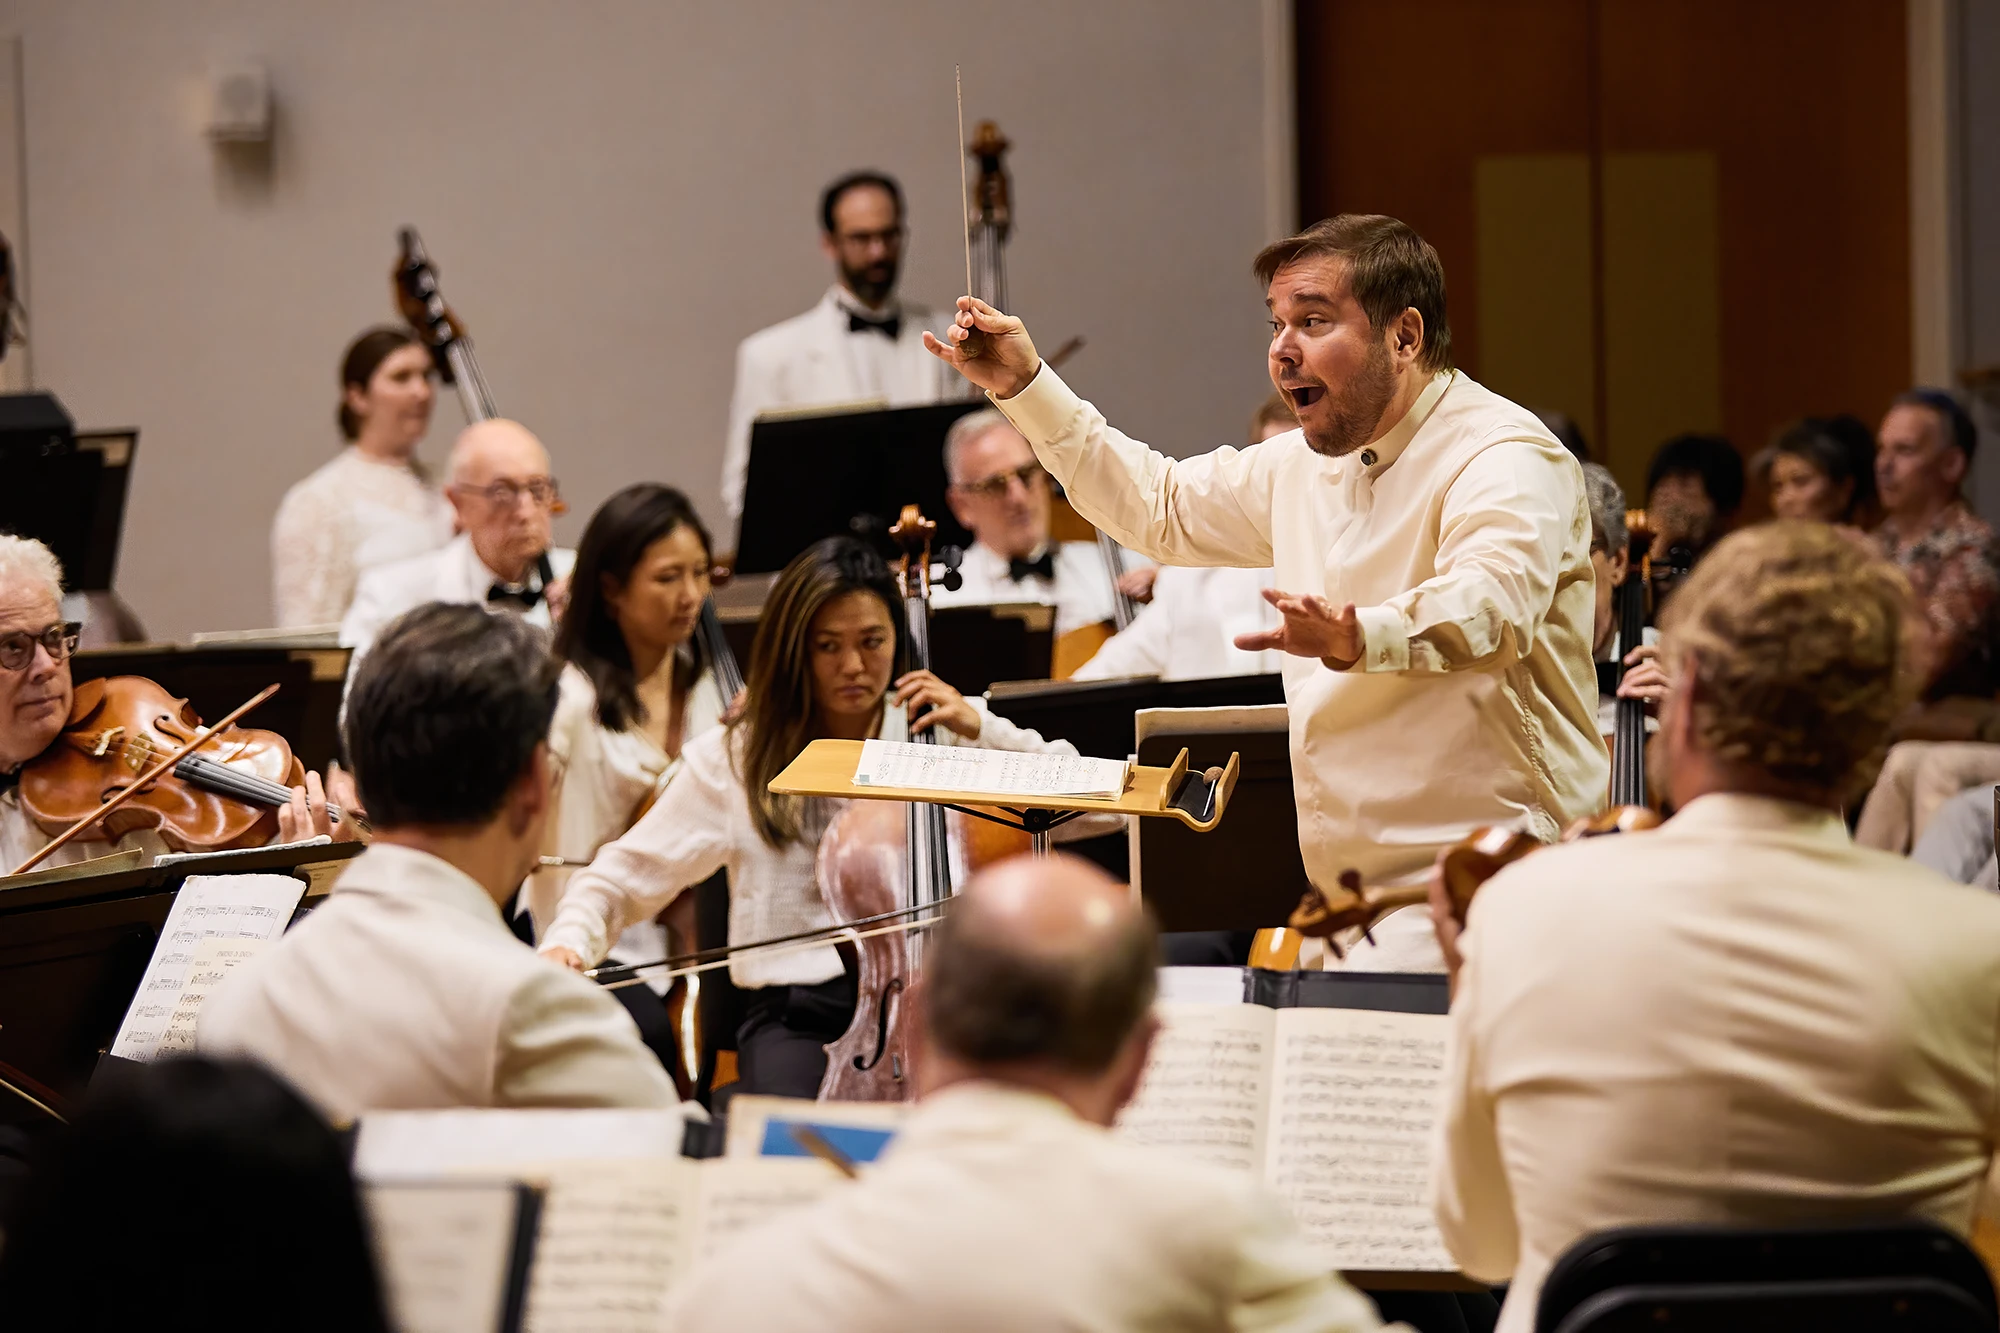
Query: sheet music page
{"x": 616, "y": 1235}
{"x": 227, "y": 907}
{"x": 739, "y": 1194}
{"x": 1001, "y": 772}
{"x": 213, "y": 959}
{"x": 1207, "y": 1084}
{"x": 1354, "y": 1098}
{"x": 446, "y": 1251}
{"x": 420, "y": 1144}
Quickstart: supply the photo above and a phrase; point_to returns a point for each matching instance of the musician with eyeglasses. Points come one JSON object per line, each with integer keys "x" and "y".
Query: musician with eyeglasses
{"x": 36, "y": 694}
{"x": 504, "y": 557}
{"x": 1001, "y": 495}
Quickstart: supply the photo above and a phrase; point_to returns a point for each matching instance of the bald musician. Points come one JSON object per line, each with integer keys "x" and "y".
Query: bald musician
{"x": 36, "y": 693}
{"x": 504, "y": 557}
{"x": 1740, "y": 1016}
{"x": 406, "y": 988}
{"x": 1432, "y": 554}
{"x": 1004, "y": 1202}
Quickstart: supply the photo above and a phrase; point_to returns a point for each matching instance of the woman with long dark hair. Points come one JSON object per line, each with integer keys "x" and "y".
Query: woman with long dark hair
{"x": 823, "y": 666}
{"x": 635, "y": 691}
{"x": 373, "y": 503}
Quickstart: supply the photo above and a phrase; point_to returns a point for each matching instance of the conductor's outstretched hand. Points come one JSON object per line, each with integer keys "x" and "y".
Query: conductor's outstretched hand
{"x": 1311, "y": 628}
{"x": 1007, "y": 361}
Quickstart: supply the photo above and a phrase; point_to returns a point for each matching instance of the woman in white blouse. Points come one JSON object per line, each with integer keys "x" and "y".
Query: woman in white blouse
{"x": 373, "y": 503}
{"x": 634, "y": 691}
{"x": 821, "y": 666}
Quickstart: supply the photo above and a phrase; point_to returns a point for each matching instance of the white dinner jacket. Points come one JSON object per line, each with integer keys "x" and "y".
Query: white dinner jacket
{"x": 452, "y": 573}
{"x": 997, "y": 1208}
{"x": 405, "y": 990}
{"x": 815, "y": 360}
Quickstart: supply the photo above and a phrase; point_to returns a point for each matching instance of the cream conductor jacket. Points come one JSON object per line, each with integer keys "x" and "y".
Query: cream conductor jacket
{"x": 1463, "y": 539}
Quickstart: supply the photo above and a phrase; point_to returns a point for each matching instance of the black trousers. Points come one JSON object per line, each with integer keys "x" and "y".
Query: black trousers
{"x": 780, "y": 1045}
{"x": 656, "y": 1026}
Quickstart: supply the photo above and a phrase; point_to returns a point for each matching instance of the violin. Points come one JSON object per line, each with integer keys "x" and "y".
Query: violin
{"x": 1465, "y": 866}
{"x": 108, "y": 769}
{"x": 886, "y": 858}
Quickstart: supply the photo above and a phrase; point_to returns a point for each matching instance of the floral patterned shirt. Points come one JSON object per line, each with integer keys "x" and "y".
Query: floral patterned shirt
{"x": 1951, "y": 566}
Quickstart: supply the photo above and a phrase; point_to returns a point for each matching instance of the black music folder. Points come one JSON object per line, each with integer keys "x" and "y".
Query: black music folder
{"x": 65, "y": 489}
{"x": 845, "y": 473}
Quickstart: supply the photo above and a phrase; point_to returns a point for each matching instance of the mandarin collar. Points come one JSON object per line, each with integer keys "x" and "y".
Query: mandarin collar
{"x": 1378, "y": 457}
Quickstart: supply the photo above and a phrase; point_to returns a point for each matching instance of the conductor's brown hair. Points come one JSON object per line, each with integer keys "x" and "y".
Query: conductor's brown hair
{"x": 1389, "y": 267}
{"x": 1799, "y": 641}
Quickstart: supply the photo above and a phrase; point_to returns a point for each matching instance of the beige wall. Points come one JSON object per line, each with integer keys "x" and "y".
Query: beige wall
{"x": 615, "y": 193}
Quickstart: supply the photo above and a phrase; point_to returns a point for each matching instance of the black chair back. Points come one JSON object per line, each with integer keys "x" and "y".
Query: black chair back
{"x": 1698, "y": 1277}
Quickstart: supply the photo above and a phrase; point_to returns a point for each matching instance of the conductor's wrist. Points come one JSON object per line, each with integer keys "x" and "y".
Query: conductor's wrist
{"x": 1020, "y": 382}
{"x": 1334, "y": 662}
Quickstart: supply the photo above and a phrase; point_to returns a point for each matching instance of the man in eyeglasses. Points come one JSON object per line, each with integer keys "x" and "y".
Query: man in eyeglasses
{"x": 1001, "y": 495}
{"x": 860, "y": 343}
{"x": 35, "y": 699}
{"x": 504, "y": 556}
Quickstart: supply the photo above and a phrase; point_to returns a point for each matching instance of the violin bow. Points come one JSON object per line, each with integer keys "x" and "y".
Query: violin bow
{"x": 707, "y": 960}
{"x": 143, "y": 781}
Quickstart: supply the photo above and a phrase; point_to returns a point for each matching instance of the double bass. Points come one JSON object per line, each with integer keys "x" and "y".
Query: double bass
{"x": 988, "y": 223}
{"x": 882, "y": 858}
{"x": 421, "y": 303}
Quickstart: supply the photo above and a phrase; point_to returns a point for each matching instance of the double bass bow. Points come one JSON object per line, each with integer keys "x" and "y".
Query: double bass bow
{"x": 420, "y": 301}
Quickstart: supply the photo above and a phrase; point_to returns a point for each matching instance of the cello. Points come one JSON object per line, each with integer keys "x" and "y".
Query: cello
{"x": 886, "y": 858}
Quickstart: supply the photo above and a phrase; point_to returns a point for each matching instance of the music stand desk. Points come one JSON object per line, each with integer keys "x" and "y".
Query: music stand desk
{"x": 826, "y": 768}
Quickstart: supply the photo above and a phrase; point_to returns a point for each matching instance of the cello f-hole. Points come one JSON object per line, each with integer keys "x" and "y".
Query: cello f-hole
{"x": 882, "y": 1020}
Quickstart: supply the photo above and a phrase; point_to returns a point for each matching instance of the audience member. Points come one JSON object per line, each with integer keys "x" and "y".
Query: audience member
{"x": 192, "y": 1194}
{"x": 1694, "y": 486}
{"x": 1762, "y": 1024}
{"x": 1003, "y": 1202}
{"x": 1822, "y": 470}
{"x": 1925, "y": 450}
{"x": 405, "y": 988}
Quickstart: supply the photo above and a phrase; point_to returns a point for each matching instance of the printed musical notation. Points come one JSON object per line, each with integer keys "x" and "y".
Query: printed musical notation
{"x": 1355, "y": 1098}
{"x": 614, "y": 1237}
{"x": 1005, "y": 772}
{"x": 212, "y": 959}
{"x": 252, "y": 908}
{"x": 1207, "y": 1085}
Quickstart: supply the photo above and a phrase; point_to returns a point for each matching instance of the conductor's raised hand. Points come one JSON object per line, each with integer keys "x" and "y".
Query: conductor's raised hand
{"x": 1007, "y": 359}
{"x": 1311, "y": 629}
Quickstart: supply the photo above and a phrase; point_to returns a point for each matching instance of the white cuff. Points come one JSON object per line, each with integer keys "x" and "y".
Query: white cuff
{"x": 1385, "y": 645}
{"x": 1044, "y": 409}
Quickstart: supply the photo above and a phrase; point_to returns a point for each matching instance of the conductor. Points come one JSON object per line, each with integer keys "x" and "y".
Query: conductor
{"x": 1431, "y": 543}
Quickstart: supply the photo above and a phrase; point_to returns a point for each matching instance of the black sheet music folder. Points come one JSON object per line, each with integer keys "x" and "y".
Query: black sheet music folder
{"x": 1384, "y": 992}
{"x": 846, "y": 473}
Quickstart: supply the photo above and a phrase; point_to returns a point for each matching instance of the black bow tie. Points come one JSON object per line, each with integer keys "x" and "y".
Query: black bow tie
{"x": 524, "y": 596}
{"x": 1044, "y": 566}
{"x": 890, "y": 328}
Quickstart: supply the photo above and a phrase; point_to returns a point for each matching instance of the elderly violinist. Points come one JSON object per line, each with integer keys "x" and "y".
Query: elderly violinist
{"x": 35, "y": 699}
{"x": 405, "y": 988}
{"x": 1432, "y": 554}
{"x": 1004, "y": 1203}
{"x": 504, "y": 557}
{"x": 1739, "y": 1016}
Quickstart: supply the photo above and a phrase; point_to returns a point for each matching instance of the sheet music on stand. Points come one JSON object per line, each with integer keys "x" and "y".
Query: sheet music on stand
{"x": 454, "y": 1254}
{"x": 216, "y": 923}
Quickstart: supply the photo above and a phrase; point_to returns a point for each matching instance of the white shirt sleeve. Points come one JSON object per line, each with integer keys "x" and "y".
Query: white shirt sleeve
{"x": 680, "y": 842}
{"x": 1506, "y": 521}
{"x": 1211, "y": 510}
{"x": 565, "y": 1042}
{"x": 1469, "y": 1190}
{"x": 311, "y": 569}
{"x": 1140, "y": 649}
{"x": 1282, "y": 1285}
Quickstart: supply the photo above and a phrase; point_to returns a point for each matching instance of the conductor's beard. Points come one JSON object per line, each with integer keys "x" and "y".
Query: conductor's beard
{"x": 1338, "y": 425}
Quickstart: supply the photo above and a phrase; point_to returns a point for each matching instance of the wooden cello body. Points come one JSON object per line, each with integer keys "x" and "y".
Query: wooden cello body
{"x": 884, "y": 856}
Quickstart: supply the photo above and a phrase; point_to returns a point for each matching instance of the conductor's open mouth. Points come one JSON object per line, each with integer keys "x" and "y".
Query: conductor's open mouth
{"x": 1305, "y": 395}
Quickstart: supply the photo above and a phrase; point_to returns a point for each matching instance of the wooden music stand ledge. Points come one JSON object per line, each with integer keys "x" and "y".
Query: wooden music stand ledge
{"x": 826, "y": 768}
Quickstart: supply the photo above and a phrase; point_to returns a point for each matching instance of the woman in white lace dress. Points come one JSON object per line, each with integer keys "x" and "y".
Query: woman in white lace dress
{"x": 374, "y": 502}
